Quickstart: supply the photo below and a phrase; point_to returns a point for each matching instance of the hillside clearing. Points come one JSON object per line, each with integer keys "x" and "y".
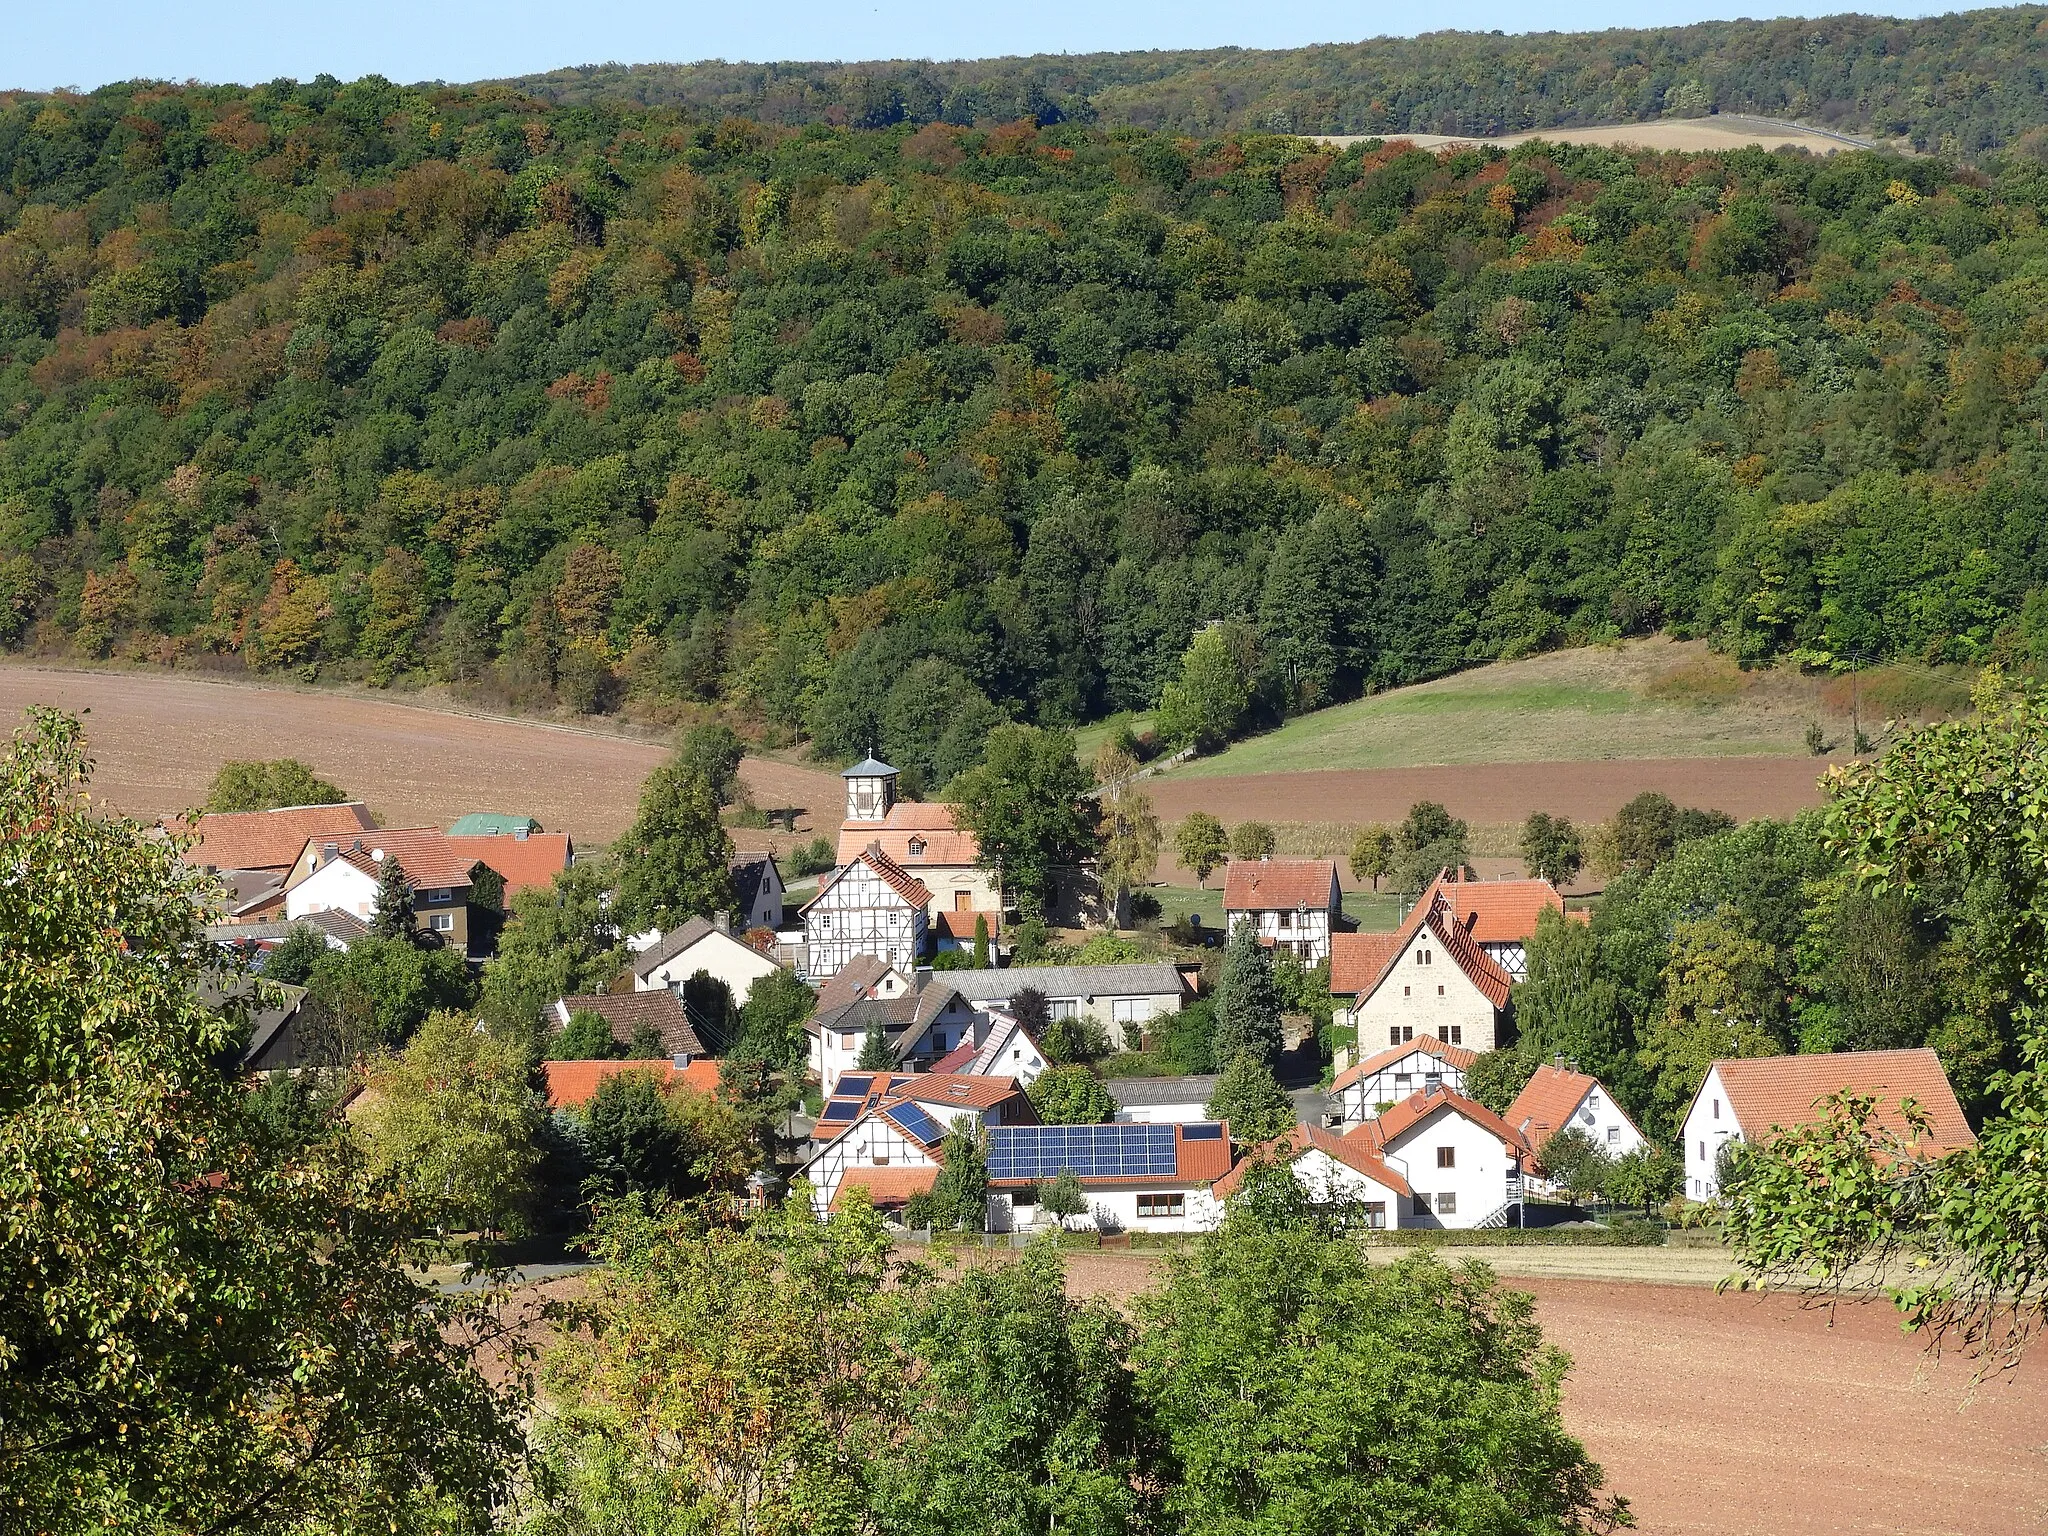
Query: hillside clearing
{"x": 1685, "y": 133}
{"x": 1653, "y": 698}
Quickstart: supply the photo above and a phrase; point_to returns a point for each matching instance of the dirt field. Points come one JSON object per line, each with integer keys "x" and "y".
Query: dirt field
{"x": 1751, "y": 1416}
{"x": 1493, "y": 795}
{"x": 158, "y": 740}
{"x": 1730, "y": 132}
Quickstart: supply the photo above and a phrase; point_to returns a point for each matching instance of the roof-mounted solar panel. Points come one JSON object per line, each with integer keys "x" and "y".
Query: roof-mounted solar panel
{"x": 1201, "y": 1132}
{"x": 841, "y": 1111}
{"x": 854, "y": 1085}
{"x": 917, "y": 1122}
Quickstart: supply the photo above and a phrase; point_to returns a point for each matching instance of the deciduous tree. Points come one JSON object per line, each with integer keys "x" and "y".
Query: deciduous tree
{"x": 1201, "y": 843}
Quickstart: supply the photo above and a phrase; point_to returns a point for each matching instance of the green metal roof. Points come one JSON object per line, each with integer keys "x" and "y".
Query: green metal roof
{"x": 492, "y": 824}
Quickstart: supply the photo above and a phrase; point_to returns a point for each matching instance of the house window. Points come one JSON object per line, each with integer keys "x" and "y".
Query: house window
{"x": 824, "y": 922}
{"x": 846, "y": 1042}
{"x": 1405, "y": 991}
{"x": 917, "y": 847}
{"x": 1439, "y": 991}
{"x": 444, "y": 922}
{"x": 1717, "y": 1109}
{"x": 1028, "y": 1195}
{"x": 1447, "y": 1204}
{"x": 1422, "y": 1205}
{"x": 1375, "y": 1213}
{"x": 1403, "y": 1081}
{"x": 1286, "y": 919}
{"x": 1161, "y": 1205}
{"x": 1613, "y": 1134}
{"x": 1452, "y": 1034}
{"x": 1062, "y": 1008}
{"x": 1703, "y": 1151}
{"x": 1447, "y": 1157}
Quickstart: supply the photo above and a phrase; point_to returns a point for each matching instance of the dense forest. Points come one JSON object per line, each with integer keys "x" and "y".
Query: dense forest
{"x": 1958, "y": 84}
{"x": 878, "y": 435}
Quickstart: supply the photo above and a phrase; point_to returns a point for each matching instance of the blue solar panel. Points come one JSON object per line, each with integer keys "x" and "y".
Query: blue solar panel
{"x": 1201, "y": 1132}
{"x": 842, "y": 1111}
{"x": 916, "y": 1121}
{"x": 1090, "y": 1151}
{"x": 853, "y": 1085}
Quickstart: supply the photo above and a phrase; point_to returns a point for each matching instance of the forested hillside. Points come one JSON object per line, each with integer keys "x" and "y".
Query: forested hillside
{"x": 1958, "y": 84}
{"x": 877, "y": 435}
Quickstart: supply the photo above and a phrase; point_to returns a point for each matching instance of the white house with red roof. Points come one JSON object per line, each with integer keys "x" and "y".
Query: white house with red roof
{"x": 1386, "y": 1077}
{"x": 1136, "y": 1177}
{"x": 1428, "y": 978}
{"x": 1463, "y": 1163}
{"x": 925, "y": 839}
{"x": 1333, "y": 1171}
{"x": 1560, "y": 1097}
{"x": 870, "y": 905}
{"x": 899, "y": 1121}
{"x": 1752, "y": 1098}
{"x": 339, "y": 873}
{"x": 1295, "y": 905}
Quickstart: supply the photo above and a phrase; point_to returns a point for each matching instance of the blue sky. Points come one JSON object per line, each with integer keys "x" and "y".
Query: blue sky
{"x": 51, "y": 45}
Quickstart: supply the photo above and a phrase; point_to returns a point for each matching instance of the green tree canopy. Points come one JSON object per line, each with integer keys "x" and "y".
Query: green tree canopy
{"x": 1247, "y": 1001}
{"x": 1429, "y": 841}
{"x": 1026, "y": 805}
{"x": 561, "y": 942}
{"x": 199, "y": 1299}
{"x": 1552, "y": 848}
{"x": 1201, "y": 844}
{"x": 1297, "y": 1387}
{"x": 674, "y": 862}
{"x": 264, "y": 786}
{"x": 1252, "y": 1100}
{"x": 453, "y": 1118}
{"x": 1071, "y": 1095}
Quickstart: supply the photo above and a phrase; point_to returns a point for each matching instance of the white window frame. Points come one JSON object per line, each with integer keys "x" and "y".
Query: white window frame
{"x": 444, "y": 922}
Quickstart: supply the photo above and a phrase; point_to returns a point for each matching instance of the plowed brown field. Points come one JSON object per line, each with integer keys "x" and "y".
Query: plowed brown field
{"x": 1731, "y": 1415}
{"x": 159, "y": 738}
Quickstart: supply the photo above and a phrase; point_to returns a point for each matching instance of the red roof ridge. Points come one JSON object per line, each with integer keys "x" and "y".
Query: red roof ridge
{"x": 1458, "y": 1056}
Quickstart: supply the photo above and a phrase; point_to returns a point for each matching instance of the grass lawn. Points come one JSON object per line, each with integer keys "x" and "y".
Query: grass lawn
{"x": 1645, "y": 699}
{"x": 1088, "y": 739}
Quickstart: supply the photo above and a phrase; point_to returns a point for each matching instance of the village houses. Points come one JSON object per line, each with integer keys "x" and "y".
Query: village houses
{"x": 1752, "y": 1098}
{"x": 1559, "y": 1097}
{"x": 1446, "y": 972}
{"x": 254, "y": 852}
{"x": 454, "y": 880}
{"x": 1294, "y": 905}
{"x": 705, "y": 945}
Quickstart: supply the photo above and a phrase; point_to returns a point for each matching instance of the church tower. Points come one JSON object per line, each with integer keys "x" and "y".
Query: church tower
{"x": 870, "y": 791}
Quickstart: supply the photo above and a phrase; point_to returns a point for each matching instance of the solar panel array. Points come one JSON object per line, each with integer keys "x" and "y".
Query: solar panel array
{"x": 855, "y": 1085}
{"x": 916, "y": 1121}
{"x": 842, "y": 1110}
{"x": 1091, "y": 1151}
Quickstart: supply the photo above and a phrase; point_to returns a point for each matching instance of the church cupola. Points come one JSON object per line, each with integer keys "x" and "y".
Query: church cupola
{"x": 870, "y": 790}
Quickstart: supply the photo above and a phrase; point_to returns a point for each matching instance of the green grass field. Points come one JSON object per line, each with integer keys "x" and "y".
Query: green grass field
{"x": 1647, "y": 699}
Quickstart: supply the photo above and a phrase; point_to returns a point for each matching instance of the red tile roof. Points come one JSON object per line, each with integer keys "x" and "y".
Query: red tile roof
{"x": 432, "y": 859}
{"x": 961, "y": 924}
{"x": 270, "y": 839}
{"x": 1771, "y": 1092}
{"x": 1418, "y": 1107}
{"x": 1355, "y": 1154}
{"x": 1200, "y": 1161}
{"x": 572, "y": 1084}
{"x": 960, "y": 1089}
{"x": 888, "y": 1188}
{"x": 1450, "y": 1055}
{"x": 931, "y": 824}
{"x": 1500, "y": 911}
{"x": 1546, "y": 1104}
{"x": 1264, "y": 885}
{"x": 1356, "y": 960}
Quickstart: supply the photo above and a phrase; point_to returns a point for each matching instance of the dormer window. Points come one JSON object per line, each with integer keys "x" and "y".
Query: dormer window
{"x": 917, "y": 847}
